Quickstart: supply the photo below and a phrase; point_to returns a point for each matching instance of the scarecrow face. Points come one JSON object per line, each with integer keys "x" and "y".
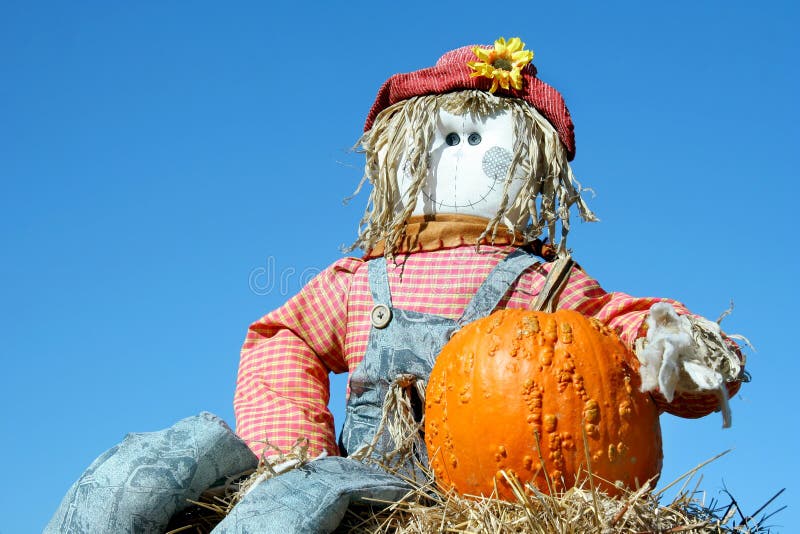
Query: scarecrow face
{"x": 469, "y": 159}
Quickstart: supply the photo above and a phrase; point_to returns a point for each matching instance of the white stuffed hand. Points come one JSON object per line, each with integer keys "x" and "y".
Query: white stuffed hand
{"x": 672, "y": 359}
{"x": 669, "y": 341}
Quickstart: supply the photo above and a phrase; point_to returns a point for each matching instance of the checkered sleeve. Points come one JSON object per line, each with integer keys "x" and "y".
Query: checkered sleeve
{"x": 282, "y": 390}
{"x": 626, "y": 316}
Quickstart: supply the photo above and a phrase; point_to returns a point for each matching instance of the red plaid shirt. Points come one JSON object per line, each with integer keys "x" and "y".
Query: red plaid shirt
{"x": 282, "y": 391}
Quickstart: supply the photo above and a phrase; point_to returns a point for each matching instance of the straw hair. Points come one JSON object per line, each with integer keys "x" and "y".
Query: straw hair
{"x": 407, "y": 128}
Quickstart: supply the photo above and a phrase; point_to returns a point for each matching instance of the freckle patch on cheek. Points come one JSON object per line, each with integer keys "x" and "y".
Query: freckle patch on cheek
{"x": 496, "y": 162}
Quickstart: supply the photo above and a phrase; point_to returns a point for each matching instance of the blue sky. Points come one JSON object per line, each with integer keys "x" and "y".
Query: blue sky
{"x": 161, "y": 162}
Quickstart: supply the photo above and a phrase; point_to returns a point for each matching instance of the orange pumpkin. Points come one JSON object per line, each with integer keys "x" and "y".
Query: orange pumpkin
{"x": 528, "y": 392}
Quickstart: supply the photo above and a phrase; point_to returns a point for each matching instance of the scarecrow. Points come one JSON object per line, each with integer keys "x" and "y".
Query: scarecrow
{"x": 469, "y": 166}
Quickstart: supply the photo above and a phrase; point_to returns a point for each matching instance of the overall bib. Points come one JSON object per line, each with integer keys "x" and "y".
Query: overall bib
{"x": 402, "y": 347}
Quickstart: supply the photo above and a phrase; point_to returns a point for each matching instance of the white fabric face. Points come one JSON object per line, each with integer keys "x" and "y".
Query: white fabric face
{"x": 469, "y": 160}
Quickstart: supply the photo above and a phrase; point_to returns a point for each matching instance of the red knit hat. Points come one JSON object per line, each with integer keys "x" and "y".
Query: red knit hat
{"x": 451, "y": 73}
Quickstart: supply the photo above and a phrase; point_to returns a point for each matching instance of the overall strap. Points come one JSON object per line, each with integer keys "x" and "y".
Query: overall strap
{"x": 379, "y": 281}
{"x": 497, "y": 285}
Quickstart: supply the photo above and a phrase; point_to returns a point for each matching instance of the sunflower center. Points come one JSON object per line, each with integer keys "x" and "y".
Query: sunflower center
{"x": 502, "y": 63}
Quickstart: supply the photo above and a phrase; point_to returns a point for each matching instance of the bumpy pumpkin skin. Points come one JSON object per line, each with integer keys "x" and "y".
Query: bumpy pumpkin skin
{"x": 520, "y": 391}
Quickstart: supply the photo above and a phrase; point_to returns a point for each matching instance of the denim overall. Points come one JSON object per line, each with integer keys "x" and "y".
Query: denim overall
{"x": 314, "y": 498}
{"x": 405, "y": 348}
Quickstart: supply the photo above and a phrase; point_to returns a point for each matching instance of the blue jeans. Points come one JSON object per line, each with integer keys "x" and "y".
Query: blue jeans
{"x": 311, "y": 499}
{"x": 137, "y": 486}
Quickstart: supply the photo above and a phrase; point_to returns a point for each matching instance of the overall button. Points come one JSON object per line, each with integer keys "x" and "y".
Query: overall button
{"x": 380, "y": 316}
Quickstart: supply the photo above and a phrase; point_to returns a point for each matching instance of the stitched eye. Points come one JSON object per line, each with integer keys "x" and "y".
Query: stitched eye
{"x": 474, "y": 138}
{"x": 452, "y": 139}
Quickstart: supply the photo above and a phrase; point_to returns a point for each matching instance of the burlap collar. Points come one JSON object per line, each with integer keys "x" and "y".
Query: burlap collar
{"x": 426, "y": 233}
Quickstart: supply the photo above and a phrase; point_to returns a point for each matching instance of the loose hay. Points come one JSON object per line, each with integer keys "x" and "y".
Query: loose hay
{"x": 428, "y": 509}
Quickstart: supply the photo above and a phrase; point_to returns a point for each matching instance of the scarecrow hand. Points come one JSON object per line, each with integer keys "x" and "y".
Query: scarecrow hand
{"x": 670, "y": 350}
{"x": 669, "y": 341}
{"x": 688, "y": 355}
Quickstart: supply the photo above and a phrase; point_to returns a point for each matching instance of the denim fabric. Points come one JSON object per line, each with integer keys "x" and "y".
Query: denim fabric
{"x": 136, "y": 486}
{"x": 310, "y": 499}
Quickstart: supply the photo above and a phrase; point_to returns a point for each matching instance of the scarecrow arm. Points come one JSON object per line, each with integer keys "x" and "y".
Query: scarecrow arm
{"x": 282, "y": 390}
{"x": 627, "y": 316}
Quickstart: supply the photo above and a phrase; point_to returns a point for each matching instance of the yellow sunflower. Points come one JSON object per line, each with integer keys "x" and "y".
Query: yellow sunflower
{"x": 502, "y": 64}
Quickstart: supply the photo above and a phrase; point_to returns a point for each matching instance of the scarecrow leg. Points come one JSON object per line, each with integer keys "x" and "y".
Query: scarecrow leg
{"x": 139, "y": 484}
{"x": 311, "y": 499}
